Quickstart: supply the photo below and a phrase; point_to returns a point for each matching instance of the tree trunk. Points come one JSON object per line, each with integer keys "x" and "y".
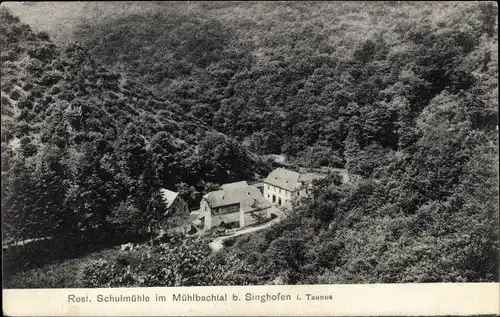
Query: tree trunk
{"x": 151, "y": 233}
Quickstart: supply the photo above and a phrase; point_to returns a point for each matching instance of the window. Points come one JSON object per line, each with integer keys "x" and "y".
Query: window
{"x": 229, "y": 209}
{"x": 279, "y": 201}
{"x": 274, "y": 199}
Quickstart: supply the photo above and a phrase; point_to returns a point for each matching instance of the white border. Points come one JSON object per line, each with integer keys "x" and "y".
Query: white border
{"x": 347, "y": 300}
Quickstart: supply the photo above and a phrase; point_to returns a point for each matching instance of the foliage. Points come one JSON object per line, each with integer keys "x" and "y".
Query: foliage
{"x": 177, "y": 263}
{"x": 85, "y": 150}
{"x": 404, "y": 95}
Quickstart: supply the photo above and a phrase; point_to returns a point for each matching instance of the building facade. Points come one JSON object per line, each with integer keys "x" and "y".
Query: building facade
{"x": 281, "y": 186}
{"x": 236, "y": 205}
{"x": 176, "y": 216}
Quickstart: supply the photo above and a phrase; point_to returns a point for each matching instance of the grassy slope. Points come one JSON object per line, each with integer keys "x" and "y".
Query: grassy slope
{"x": 68, "y": 273}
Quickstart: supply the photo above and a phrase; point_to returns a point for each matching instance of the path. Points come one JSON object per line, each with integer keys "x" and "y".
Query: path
{"x": 24, "y": 242}
{"x": 218, "y": 243}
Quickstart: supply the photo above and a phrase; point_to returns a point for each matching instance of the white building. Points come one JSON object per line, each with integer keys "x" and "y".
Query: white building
{"x": 236, "y": 205}
{"x": 282, "y": 185}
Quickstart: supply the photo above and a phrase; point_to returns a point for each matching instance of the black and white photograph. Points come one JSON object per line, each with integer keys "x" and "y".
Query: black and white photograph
{"x": 246, "y": 143}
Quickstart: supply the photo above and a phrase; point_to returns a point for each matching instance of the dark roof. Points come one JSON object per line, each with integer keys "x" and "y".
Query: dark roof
{"x": 309, "y": 177}
{"x": 235, "y": 185}
{"x": 283, "y": 178}
{"x": 259, "y": 184}
{"x": 249, "y": 198}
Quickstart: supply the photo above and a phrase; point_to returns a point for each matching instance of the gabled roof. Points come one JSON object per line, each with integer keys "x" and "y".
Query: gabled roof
{"x": 249, "y": 198}
{"x": 259, "y": 184}
{"x": 290, "y": 180}
{"x": 168, "y": 196}
{"x": 283, "y": 178}
{"x": 235, "y": 185}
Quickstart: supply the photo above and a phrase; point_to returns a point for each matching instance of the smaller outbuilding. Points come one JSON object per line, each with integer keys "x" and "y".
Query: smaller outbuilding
{"x": 176, "y": 216}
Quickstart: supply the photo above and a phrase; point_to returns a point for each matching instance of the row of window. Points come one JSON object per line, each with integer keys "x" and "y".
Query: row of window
{"x": 176, "y": 221}
{"x": 227, "y": 209}
{"x": 287, "y": 193}
{"x": 274, "y": 199}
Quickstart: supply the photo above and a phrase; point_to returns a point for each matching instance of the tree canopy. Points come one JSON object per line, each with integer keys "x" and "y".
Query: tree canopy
{"x": 127, "y": 98}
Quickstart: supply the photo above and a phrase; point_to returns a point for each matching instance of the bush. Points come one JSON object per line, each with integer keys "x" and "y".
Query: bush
{"x": 15, "y": 94}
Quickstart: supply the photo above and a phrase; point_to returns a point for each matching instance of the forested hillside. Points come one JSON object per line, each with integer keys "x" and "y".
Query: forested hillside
{"x": 85, "y": 150}
{"x": 294, "y": 78}
{"x": 185, "y": 94}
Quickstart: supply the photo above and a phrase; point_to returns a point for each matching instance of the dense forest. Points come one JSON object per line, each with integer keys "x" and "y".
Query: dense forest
{"x": 109, "y": 102}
